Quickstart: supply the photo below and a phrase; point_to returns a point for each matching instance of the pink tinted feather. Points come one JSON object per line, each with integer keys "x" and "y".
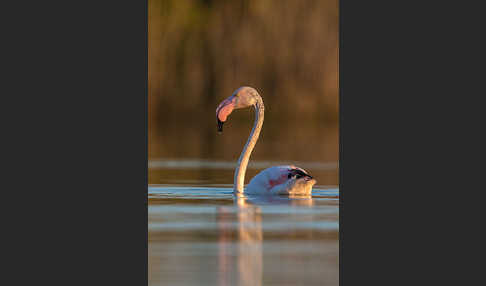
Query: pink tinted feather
{"x": 276, "y": 176}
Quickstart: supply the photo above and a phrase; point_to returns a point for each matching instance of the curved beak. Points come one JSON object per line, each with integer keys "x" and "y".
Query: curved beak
{"x": 220, "y": 126}
{"x": 224, "y": 110}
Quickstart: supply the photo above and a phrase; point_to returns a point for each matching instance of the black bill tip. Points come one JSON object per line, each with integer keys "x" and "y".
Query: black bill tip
{"x": 220, "y": 126}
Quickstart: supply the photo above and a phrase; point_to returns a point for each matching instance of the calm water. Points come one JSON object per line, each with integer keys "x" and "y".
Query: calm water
{"x": 201, "y": 234}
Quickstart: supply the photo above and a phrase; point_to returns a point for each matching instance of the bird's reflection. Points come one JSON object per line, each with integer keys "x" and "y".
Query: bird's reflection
{"x": 240, "y": 237}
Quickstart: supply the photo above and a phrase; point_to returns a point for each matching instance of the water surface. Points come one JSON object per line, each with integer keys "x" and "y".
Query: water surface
{"x": 201, "y": 234}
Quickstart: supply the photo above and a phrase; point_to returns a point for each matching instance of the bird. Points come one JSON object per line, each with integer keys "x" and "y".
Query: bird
{"x": 277, "y": 180}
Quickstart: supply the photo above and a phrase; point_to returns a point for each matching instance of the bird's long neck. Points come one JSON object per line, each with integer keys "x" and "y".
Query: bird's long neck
{"x": 250, "y": 144}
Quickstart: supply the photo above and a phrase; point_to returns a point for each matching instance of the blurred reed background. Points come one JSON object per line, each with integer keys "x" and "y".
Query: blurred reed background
{"x": 201, "y": 51}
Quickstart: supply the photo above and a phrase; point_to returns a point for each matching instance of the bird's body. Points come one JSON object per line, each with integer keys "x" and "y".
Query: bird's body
{"x": 278, "y": 180}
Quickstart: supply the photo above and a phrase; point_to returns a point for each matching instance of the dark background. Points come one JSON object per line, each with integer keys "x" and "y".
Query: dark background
{"x": 199, "y": 52}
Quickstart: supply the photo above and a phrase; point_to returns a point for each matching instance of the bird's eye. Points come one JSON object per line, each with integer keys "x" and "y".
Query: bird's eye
{"x": 290, "y": 175}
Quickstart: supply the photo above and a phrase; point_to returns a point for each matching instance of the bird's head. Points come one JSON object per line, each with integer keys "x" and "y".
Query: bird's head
{"x": 243, "y": 97}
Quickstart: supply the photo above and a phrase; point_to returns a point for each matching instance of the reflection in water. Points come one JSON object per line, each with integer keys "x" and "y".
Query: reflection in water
{"x": 247, "y": 267}
{"x": 205, "y": 235}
